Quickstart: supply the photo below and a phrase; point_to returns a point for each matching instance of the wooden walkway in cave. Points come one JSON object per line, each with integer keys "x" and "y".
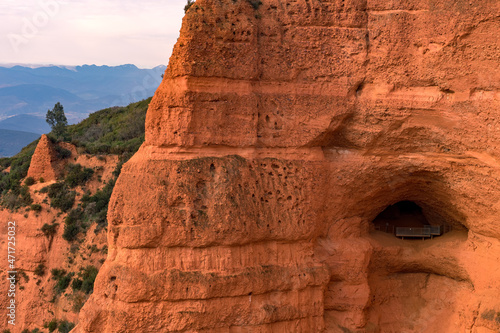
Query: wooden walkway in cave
{"x": 427, "y": 231}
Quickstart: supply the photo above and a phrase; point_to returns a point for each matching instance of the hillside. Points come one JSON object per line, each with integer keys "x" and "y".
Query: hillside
{"x": 58, "y": 194}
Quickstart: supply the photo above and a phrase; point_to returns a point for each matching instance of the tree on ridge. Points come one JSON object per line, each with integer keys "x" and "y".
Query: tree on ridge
{"x": 57, "y": 119}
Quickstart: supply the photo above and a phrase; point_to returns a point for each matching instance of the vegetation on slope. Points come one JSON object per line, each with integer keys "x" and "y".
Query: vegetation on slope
{"x": 116, "y": 130}
{"x": 13, "y": 194}
{"x": 119, "y": 131}
{"x": 80, "y": 198}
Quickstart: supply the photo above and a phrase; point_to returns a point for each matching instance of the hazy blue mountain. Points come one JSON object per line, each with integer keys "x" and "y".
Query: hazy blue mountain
{"x": 81, "y": 90}
{"x": 28, "y": 98}
{"x": 25, "y": 123}
{"x": 11, "y": 142}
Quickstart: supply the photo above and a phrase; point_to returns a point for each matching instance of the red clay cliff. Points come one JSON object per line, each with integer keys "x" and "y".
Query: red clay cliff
{"x": 279, "y": 133}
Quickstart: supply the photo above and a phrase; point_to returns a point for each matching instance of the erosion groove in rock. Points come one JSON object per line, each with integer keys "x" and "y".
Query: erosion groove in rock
{"x": 279, "y": 133}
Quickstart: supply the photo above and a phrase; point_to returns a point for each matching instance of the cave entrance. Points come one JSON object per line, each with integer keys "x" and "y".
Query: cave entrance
{"x": 405, "y": 219}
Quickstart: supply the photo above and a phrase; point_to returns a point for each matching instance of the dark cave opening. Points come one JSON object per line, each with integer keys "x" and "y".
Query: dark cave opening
{"x": 406, "y": 219}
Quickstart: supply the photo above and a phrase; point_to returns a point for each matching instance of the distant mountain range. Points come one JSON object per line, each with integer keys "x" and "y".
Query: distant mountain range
{"x": 25, "y": 123}
{"x": 11, "y": 142}
{"x": 26, "y": 93}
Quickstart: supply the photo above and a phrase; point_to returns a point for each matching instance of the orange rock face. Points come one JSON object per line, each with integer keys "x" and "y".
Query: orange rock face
{"x": 45, "y": 162}
{"x": 278, "y": 135}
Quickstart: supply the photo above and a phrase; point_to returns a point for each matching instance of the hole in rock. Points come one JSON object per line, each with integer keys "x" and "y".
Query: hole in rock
{"x": 405, "y": 219}
{"x": 410, "y": 286}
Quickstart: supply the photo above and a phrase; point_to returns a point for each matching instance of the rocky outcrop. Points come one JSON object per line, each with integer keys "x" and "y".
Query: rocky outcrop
{"x": 46, "y": 162}
{"x": 278, "y": 134}
{"x": 43, "y": 162}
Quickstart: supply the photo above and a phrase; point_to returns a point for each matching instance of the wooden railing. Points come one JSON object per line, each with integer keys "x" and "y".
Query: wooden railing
{"x": 427, "y": 231}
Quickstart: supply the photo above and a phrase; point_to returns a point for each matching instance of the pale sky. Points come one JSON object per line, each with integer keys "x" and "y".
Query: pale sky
{"x": 78, "y": 32}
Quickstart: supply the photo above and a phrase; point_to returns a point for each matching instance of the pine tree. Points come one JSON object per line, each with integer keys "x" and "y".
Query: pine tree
{"x": 57, "y": 120}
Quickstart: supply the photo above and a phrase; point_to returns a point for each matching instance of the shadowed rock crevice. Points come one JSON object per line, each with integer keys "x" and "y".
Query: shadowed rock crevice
{"x": 403, "y": 214}
{"x": 407, "y": 219}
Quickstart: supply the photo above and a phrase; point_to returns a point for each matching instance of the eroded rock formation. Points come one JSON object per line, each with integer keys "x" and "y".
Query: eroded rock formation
{"x": 44, "y": 160}
{"x": 278, "y": 134}
{"x": 45, "y": 163}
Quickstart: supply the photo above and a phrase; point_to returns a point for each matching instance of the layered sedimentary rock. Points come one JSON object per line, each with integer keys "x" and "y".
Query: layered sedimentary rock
{"x": 278, "y": 134}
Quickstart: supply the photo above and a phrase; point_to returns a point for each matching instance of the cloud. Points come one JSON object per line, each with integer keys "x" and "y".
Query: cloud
{"x": 74, "y": 32}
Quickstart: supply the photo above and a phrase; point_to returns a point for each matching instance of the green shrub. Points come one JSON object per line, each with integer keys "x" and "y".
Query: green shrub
{"x": 77, "y": 175}
{"x": 57, "y": 273}
{"x": 12, "y": 194}
{"x": 17, "y": 197}
{"x": 11, "y": 201}
{"x": 77, "y": 284}
{"x": 95, "y": 207}
{"x": 21, "y": 162}
{"x": 71, "y": 231}
{"x": 24, "y": 193}
{"x": 63, "y": 283}
{"x": 62, "y": 153}
{"x": 86, "y": 283}
{"x": 36, "y": 207}
{"x": 65, "y": 326}
{"x": 55, "y": 190}
{"x": 119, "y": 166}
{"x": 61, "y": 197}
{"x": 29, "y": 181}
{"x": 51, "y": 325}
{"x": 40, "y": 270}
{"x": 255, "y": 3}
{"x": 88, "y": 275}
{"x": 101, "y": 197}
{"x": 49, "y": 230}
{"x": 73, "y": 224}
{"x": 62, "y": 279}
